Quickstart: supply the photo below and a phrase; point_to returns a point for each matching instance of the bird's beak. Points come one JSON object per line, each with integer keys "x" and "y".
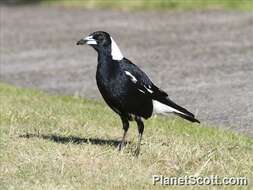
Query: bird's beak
{"x": 88, "y": 40}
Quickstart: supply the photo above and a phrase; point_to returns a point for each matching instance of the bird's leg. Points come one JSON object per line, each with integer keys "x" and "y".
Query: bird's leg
{"x": 140, "y": 130}
{"x": 125, "y": 124}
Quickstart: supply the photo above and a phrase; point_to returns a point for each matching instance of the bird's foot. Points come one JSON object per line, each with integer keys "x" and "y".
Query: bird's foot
{"x": 136, "y": 152}
{"x": 121, "y": 146}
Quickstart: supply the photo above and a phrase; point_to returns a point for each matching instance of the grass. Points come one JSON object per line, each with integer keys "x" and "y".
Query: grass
{"x": 157, "y": 4}
{"x": 59, "y": 142}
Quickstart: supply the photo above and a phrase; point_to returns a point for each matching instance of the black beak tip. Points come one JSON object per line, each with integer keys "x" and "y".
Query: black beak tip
{"x": 80, "y": 42}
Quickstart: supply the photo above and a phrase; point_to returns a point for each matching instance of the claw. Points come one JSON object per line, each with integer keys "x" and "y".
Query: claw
{"x": 120, "y": 146}
{"x": 137, "y": 152}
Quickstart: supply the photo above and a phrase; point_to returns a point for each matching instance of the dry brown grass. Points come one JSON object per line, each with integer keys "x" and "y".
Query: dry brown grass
{"x": 52, "y": 142}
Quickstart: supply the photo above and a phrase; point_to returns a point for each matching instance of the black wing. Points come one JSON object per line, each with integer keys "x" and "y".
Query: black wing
{"x": 147, "y": 88}
{"x": 141, "y": 80}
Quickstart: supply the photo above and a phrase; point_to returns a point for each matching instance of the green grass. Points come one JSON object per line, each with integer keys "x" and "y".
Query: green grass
{"x": 157, "y": 4}
{"x": 59, "y": 142}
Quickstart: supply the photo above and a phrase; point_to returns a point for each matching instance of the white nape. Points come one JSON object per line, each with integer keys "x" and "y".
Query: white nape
{"x": 133, "y": 79}
{"x": 160, "y": 108}
{"x": 115, "y": 51}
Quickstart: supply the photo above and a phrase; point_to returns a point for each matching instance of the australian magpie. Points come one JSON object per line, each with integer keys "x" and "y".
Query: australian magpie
{"x": 127, "y": 89}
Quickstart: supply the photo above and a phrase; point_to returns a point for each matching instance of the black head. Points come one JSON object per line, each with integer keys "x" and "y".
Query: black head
{"x": 97, "y": 40}
{"x": 102, "y": 42}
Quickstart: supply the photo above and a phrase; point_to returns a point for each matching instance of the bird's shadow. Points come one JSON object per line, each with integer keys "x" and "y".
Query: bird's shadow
{"x": 73, "y": 139}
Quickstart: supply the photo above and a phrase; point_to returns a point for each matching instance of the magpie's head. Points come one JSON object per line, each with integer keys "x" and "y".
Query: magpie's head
{"x": 102, "y": 42}
{"x": 97, "y": 40}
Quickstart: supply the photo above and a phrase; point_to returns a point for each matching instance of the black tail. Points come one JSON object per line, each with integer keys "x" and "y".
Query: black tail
{"x": 184, "y": 113}
{"x": 189, "y": 118}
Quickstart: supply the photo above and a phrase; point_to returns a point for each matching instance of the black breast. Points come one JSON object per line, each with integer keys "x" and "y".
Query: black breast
{"x": 121, "y": 95}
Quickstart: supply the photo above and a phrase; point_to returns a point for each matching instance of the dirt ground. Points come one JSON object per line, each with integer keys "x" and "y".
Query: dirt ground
{"x": 204, "y": 60}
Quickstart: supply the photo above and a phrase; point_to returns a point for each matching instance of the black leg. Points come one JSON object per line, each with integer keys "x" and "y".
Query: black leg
{"x": 125, "y": 124}
{"x": 140, "y": 130}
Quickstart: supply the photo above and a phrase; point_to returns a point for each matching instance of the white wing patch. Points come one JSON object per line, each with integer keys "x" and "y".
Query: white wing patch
{"x": 150, "y": 91}
{"x": 133, "y": 79}
{"x": 141, "y": 91}
{"x": 160, "y": 108}
{"x": 115, "y": 51}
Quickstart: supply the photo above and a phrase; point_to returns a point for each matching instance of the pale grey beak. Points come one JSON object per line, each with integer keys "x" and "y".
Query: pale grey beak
{"x": 88, "y": 40}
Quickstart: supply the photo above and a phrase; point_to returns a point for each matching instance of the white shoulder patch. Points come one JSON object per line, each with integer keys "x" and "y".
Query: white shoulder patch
{"x": 115, "y": 51}
{"x": 133, "y": 79}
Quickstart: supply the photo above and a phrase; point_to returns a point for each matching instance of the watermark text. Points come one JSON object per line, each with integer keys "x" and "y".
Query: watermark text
{"x": 199, "y": 180}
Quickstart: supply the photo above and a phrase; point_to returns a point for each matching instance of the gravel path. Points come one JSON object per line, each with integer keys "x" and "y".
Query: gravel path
{"x": 204, "y": 60}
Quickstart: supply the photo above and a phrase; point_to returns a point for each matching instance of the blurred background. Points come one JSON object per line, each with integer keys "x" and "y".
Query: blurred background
{"x": 145, "y": 4}
{"x": 199, "y": 51}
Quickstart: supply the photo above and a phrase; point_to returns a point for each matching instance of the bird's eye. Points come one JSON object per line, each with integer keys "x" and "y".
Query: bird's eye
{"x": 99, "y": 37}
